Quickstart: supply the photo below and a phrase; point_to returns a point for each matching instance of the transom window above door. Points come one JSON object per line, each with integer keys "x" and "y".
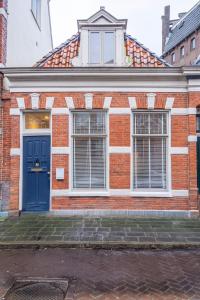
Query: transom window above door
{"x": 101, "y": 47}
{"x": 36, "y": 120}
{"x": 89, "y": 150}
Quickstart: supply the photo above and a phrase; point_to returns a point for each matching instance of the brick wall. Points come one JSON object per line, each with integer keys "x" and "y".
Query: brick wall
{"x": 183, "y": 166}
{"x": 3, "y": 32}
{"x": 190, "y": 54}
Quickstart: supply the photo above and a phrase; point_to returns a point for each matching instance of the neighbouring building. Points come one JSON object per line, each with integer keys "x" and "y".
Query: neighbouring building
{"x": 181, "y": 37}
{"x": 101, "y": 125}
{"x": 25, "y": 31}
{"x": 25, "y": 36}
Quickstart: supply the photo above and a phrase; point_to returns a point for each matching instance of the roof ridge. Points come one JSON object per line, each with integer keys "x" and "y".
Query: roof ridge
{"x": 57, "y": 49}
{"x": 148, "y": 50}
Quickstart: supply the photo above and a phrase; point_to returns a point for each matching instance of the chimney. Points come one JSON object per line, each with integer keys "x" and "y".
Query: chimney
{"x": 165, "y": 25}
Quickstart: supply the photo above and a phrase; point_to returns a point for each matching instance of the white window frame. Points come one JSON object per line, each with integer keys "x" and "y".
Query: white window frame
{"x": 155, "y": 192}
{"x": 102, "y": 33}
{"x": 88, "y": 191}
{"x": 173, "y": 57}
{"x": 193, "y": 44}
{"x": 182, "y": 51}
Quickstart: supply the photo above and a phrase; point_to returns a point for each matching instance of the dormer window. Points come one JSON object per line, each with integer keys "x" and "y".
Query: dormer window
{"x": 101, "y": 47}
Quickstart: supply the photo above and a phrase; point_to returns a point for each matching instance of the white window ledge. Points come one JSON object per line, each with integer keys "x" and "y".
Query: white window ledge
{"x": 151, "y": 194}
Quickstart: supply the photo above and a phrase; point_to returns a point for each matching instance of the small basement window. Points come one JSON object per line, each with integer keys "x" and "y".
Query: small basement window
{"x": 37, "y": 120}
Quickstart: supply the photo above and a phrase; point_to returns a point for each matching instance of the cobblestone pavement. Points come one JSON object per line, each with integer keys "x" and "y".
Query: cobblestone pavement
{"x": 34, "y": 228}
{"x": 109, "y": 275}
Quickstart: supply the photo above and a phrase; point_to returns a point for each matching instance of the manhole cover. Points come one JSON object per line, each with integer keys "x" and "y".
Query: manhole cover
{"x": 38, "y": 290}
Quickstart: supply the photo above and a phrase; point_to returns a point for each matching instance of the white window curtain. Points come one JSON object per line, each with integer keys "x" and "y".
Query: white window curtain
{"x": 89, "y": 150}
{"x": 150, "y": 135}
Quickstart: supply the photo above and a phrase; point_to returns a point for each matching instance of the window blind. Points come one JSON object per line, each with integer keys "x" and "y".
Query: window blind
{"x": 89, "y": 150}
{"x": 149, "y": 150}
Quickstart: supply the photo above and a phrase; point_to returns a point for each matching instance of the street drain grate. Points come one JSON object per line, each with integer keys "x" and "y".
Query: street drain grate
{"x": 40, "y": 289}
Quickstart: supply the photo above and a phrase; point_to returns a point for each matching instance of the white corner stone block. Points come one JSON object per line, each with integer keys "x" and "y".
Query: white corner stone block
{"x": 15, "y": 152}
{"x": 70, "y": 102}
{"x": 21, "y": 103}
{"x": 169, "y": 103}
{"x": 60, "y": 150}
{"x": 107, "y": 102}
{"x": 14, "y": 112}
{"x": 132, "y": 102}
{"x": 35, "y": 100}
{"x": 49, "y": 102}
{"x": 60, "y": 111}
{"x": 179, "y": 150}
{"x": 192, "y": 138}
{"x": 151, "y": 98}
{"x": 88, "y": 101}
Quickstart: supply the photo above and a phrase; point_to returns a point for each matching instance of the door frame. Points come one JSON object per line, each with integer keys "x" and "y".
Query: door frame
{"x": 36, "y": 132}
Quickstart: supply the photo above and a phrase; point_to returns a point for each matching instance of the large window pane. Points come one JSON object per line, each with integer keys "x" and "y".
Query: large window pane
{"x": 149, "y": 146}
{"x": 109, "y": 48}
{"x": 89, "y": 159}
{"x": 95, "y": 48}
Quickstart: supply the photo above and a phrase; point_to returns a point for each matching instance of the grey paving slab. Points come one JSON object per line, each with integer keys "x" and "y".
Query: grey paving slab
{"x": 124, "y": 231}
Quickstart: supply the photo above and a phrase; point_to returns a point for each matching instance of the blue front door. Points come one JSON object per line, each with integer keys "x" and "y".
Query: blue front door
{"x": 36, "y": 173}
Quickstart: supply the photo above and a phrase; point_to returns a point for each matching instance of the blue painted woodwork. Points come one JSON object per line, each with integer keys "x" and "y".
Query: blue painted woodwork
{"x": 36, "y": 168}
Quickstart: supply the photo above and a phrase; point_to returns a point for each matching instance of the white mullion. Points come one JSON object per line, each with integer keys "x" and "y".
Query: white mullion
{"x": 90, "y": 163}
{"x": 135, "y": 163}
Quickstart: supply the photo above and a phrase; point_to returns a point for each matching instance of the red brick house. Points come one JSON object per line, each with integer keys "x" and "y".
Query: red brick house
{"x": 101, "y": 125}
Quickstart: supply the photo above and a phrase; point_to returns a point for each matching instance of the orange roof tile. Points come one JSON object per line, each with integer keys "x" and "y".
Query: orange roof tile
{"x": 137, "y": 55}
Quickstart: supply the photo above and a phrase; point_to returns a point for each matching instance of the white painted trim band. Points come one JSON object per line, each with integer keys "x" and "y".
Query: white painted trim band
{"x": 120, "y": 150}
{"x": 15, "y": 151}
{"x": 183, "y": 111}
{"x": 60, "y": 150}
{"x": 179, "y": 150}
{"x": 14, "y": 112}
{"x": 60, "y": 111}
{"x": 120, "y": 193}
{"x": 192, "y": 138}
{"x": 119, "y": 111}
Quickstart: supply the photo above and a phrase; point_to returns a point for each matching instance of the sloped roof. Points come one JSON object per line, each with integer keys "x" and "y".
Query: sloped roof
{"x": 184, "y": 27}
{"x": 61, "y": 57}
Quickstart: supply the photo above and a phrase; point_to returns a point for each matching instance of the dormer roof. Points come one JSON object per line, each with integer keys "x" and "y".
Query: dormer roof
{"x": 102, "y": 18}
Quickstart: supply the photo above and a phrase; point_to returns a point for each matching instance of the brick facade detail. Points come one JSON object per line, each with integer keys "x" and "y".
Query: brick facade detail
{"x": 183, "y": 166}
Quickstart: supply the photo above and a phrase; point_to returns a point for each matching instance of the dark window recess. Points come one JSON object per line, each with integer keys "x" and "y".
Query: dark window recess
{"x": 36, "y": 10}
{"x": 182, "y": 51}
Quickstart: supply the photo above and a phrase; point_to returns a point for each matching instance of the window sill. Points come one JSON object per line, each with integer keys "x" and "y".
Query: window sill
{"x": 151, "y": 193}
{"x": 82, "y": 193}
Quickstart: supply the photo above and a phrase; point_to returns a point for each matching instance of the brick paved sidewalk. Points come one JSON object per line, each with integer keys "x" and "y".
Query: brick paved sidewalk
{"x": 29, "y": 230}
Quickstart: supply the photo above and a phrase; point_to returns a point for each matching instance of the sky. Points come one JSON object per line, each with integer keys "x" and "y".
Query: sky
{"x": 144, "y": 17}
